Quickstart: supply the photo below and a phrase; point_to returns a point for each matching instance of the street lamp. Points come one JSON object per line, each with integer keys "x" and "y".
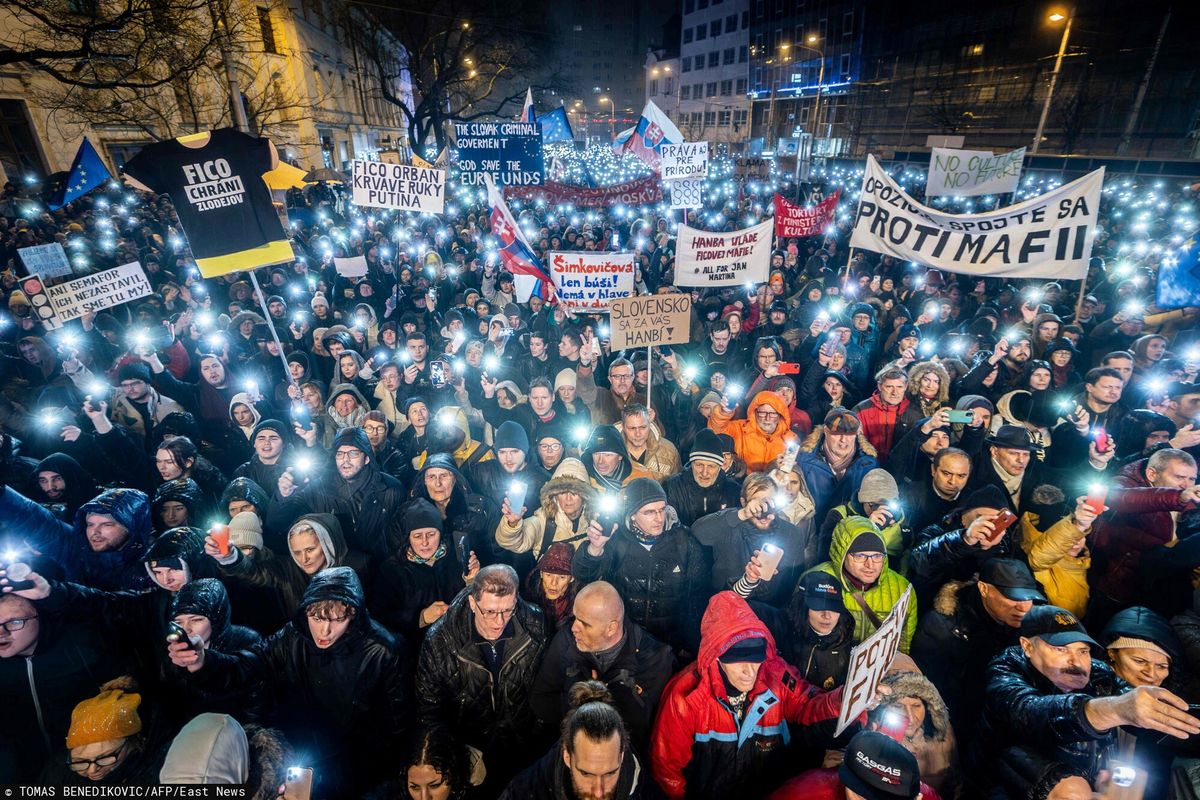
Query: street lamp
{"x": 612, "y": 119}
{"x": 812, "y": 40}
{"x": 1056, "y": 16}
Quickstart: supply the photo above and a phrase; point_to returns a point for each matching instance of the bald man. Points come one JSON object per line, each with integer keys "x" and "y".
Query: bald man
{"x": 602, "y": 645}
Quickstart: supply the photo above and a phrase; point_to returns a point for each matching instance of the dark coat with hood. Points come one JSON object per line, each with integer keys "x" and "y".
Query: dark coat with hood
{"x": 635, "y": 679}
{"x": 80, "y": 486}
{"x": 365, "y": 505}
{"x": 180, "y": 490}
{"x": 692, "y": 501}
{"x": 549, "y": 779}
{"x": 467, "y": 515}
{"x": 347, "y": 706}
{"x": 456, "y": 688}
{"x": 822, "y": 660}
{"x": 67, "y": 545}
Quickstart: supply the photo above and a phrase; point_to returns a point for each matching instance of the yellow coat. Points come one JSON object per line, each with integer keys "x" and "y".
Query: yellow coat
{"x": 1064, "y": 577}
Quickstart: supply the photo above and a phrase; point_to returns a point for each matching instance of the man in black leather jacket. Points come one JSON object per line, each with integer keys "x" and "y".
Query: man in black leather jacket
{"x": 1052, "y": 711}
{"x": 703, "y": 487}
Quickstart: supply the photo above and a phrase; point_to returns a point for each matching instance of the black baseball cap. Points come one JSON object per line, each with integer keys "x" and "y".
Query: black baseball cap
{"x": 879, "y": 768}
{"x": 822, "y": 592}
{"x": 1055, "y": 626}
{"x": 752, "y": 650}
{"x": 1012, "y": 578}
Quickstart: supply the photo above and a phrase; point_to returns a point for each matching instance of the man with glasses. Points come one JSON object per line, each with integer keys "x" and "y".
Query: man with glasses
{"x": 361, "y": 495}
{"x": 42, "y": 678}
{"x": 477, "y": 668}
{"x": 608, "y": 403}
{"x": 136, "y": 405}
{"x": 762, "y": 436}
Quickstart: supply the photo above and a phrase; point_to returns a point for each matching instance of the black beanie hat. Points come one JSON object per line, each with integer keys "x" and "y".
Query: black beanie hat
{"x": 640, "y": 491}
{"x": 420, "y": 513}
{"x": 134, "y": 371}
{"x": 747, "y": 651}
{"x": 989, "y": 496}
{"x": 707, "y": 447}
{"x": 352, "y": 437}
{"x": 271, "y": 425}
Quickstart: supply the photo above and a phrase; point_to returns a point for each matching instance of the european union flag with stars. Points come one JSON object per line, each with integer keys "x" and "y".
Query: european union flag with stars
{"x": 555, "y": 126}
{"x": 87, "y": 172}
{"x": 1179, "y": 275}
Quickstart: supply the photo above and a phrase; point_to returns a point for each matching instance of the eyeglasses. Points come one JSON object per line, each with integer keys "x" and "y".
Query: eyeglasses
{"x": 14, "y": 625}
{"x": 131, "y": 384}
{"x": 622, "y": 377}
{"x": 349, "y": 455}
{"x": 766, "y": 414}
{"x": 107, "y": 760}
{"x": 496, "y": 614}
{"x": 867, "y": 558}
{"x": 375, "y": 428}
{"x": 550, "y": 447}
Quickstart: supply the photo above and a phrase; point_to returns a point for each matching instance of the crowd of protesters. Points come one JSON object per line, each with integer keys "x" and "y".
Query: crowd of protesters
{"x": 428, "y": 540}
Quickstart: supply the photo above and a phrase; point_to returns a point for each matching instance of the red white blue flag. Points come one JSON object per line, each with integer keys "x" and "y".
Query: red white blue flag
{"x": 645, "y": 141}
{"x": 516, "y": 256}
{"x": 527, "y": 112}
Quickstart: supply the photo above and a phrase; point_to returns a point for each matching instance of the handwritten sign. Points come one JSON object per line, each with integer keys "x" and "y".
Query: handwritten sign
{"x": 969, "y": 173}
{"x": 106, "y": 289}
{"x": 353, "y": 267}
{"x": 707, "y": 258}
{"x": 47, "y": 260}
{"x": 398, "y": 186}
{"x": 588, "y": 282}
{"x": 686, "y": 192}
{"x": 869, "y": 662}
{"x": 650, "y": 320}
{"x": 792, "y": 220}
{"x": 685, "y": 160}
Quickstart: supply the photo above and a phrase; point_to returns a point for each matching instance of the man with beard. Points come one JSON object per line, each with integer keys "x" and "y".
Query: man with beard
{"x": 1017, "y": 347}
{"x": 136, "y": 405}
{"x": 704, "y": 487}
{"x": 593, "y": 759}
{"x": 62, "y": 485}
{"x": 1052, "y": 712}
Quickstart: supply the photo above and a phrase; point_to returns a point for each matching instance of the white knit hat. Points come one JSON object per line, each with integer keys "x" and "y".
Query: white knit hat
{"x": 245, "y": 530}
{"x": 1124, "y": 642}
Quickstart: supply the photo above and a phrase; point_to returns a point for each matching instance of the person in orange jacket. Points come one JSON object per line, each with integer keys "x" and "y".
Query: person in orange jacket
{"x": 763, "y": 435}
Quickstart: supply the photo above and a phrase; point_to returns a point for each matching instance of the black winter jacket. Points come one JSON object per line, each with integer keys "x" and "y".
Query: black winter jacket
{"x": 548, "y": 779}
{"x": 455, "y": 686}
{"x": 405, "y": 588}
{"x": 940, "y": 554}
{"x": 665, "y": 588}
{"x": 692, "y": 501}
{"x": 733, "y": 541}
{"x": 635, "y": 679}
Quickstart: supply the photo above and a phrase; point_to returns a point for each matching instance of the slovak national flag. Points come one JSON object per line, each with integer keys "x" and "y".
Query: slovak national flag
{"x": 653, "y": 130}
{"x": 516, "y": 255}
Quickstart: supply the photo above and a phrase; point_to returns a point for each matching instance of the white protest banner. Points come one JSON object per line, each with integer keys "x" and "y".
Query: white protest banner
{"x": 1049, "y": 236}
{"x": 106, "y": 289}
{"x": 969, "y": 173}
{"x": 686, "y": 192}
{"x": 723, "y": 259}
{"x": 353, "y": 267}
{"x": 685, "y": 160}
{"x": 586, "y": 282}
{"x": 47, "y": 260}
{"x": 869, "y": 662}
{"x": 399, "y": 186}
{"x": 651, "y": 319}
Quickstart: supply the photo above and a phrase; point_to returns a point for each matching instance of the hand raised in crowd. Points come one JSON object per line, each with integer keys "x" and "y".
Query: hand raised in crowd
{"x": 472, "y": 567}
{"x": 981, "y": 530}
{"x": 287, "y": 484}
{"x": 513, "y": 519}
{"x": 188, "y": 655}
{"x": 1081, "y": 419}
{"x": 411, "y": 373}
{"x": 908, "y": 355}
{"x": 309, "y": 434}
{"x": 433, "y": 612}
{"x": 1150, "y": 707}
{"x": 999, "y": 352}
{"x": 754, "y": 568}
{"x": 293, "y": 391}
{"x": 151, "y": 358}
{"x": 1084, "y": 514}
{"x": 489, "y": 385}
{"x": 1190, "y": 495}
{"x": 940, "y": 419}
{"x": 818, "y": 327}
{"x": 1186, "y": 437}
{"x": 757, "y": 508}
{"x": 881, "y": 517}
{"x": 71, "y": 433}
{"x": 1100, "y": 460}
{"x": 39, "y": 591}
{"x": 597, "y": 538}
{"x": 98, "y": 414}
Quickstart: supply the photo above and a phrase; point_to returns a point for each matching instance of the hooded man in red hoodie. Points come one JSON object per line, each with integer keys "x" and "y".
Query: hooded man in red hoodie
{"x": 723, "y": 722}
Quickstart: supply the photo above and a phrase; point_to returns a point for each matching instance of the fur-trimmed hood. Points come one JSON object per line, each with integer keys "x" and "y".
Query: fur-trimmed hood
{"x": 948, "y": 597}
{"x": 920, "y": 370}
{"x": 812, "y": 442}
{"x": 568, "y": 477}
{"x": 913, "y": 684}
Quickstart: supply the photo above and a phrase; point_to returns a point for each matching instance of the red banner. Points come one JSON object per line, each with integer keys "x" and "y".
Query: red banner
{"x": 632, "y": 193}
{"x": 792, "y": 220}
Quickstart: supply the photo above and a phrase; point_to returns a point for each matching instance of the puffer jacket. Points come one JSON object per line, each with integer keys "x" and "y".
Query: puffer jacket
{"x": 700, "y": 749}
{"x": 893, "y": 533}
{"x": 824, "y": 487}
{"x": 456, "y": 688}
{"x": 67, "y": 545}
{"x": 1064, "y": 577}
{"x": 251, "y": 491}
{"x": 530, "y": 534}
{"x": 823, "y": 661}
{"x": 1140, "y": 520}
{"x": 758, "y": 449}
{"x": 365, "y": 506}
{"x": 882, "y": 425}
{"x": 1022, "y": 707}
{"x": 346, "y": 706}
{"x": 940, "y": 554}
{"x": 732, "y": 541}
{"x": 691, "y": 501}
{"x": 664, "y": 587}
{"x": 881, "y": 597}
{"x": 180, "y": 490}
{"x": 467, "y": 514}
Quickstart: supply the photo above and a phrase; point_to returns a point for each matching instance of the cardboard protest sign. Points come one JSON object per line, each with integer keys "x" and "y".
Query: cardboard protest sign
{"x": 685, "y": 160}
{"x": 641, "y": 192}
{"x": 511, "y": 152}
{"x": 968, "y": 173}
{"x": 587, "y": 282}
{"x": 686, "y": 192}
{"x": 792, "y": 220}
{"x": 751, "y": 167}
{"x": 1049, "y": 236}
{"x": 869, "y": 662}
{"x": 47, "y": 260}
{"x": 106, "y": 289}
{"x": 399, "y": 186}
{"x": 353, "y": 267}
{"x": 651, "y": 319}
{"x": 706, "y": 258}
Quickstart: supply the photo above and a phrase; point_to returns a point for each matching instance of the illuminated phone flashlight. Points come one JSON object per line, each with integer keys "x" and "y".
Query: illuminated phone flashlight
{"x": 926, "y": 347}
{"x": 1155, "y": 388}
{"x": 779, "y": 500}
{"x": 11, "y": 556}
{"x": 1133, "y": 309}
{"x": 198, "y": 290}
{"x": 298, "y": 318}
{"x": 823, "y": 315}
{"x": 604, "y": 331}
{"x": 608, "y": 504}
{"x": 1012, "y": 335}
{"x": 1065, "y": 406}
{"x": 205, "y": 319}
{"x": 303, "y": 464}
{"x": 141, "y": 338}
{"x": 69, "y": 339}
{"x": 49, "y": 419}
{"x": 446, "y": 419}
{"x": 295, "y": 290}
{"x": 958, "y": 346}
{"x": 404, "y": 357}
{"x": 581, "y": 433}
{"x": 690, "y": 372}
{"x": 837, "y": 306}
{"x": 491, "y": 363}
{"x": 97, "y": 389}
{"x": 1034, "y": 295}
{"x": 216, "y": 340}
{"x": 459, "y": 338}
{"x": 250, "y": 385}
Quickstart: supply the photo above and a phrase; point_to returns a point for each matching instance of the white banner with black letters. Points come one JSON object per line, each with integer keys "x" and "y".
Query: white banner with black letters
{"x": 710, "y": 258}
{"x": 1048, "y": 236}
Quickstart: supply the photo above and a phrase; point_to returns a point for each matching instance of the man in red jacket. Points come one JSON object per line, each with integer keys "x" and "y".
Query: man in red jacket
{"x": 876, "y": 767}
{"x": 722, "y": 728}
{"x": 1144, "y": 508}
{"x": 882, "y": 414}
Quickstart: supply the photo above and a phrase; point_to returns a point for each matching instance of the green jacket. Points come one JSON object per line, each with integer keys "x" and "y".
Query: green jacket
{"x": 881, "y": 597}
{"x": 893, "y": 534}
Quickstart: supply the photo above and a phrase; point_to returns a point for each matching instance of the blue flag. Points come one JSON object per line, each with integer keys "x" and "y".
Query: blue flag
{"x": 87, "y": 172}
{"x": 555, "y": 126}
{"x": 1179, "y": 276}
